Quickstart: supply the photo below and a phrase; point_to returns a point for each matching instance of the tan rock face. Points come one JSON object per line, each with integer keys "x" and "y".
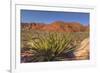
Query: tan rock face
{"x": 83, "y": 51}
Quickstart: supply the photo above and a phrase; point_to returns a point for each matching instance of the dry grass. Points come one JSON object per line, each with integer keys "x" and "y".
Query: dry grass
{"x": 50, "y": 46}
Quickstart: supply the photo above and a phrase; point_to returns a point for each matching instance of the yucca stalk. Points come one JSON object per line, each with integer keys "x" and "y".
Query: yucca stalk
{"x": 51, "y": 46}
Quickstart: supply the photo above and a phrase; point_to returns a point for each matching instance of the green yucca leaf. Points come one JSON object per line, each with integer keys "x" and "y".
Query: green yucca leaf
{"x": 50, "y": 45}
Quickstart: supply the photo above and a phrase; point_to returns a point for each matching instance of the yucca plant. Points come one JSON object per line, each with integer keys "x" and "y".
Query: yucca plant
{"x": 51, "y": 46}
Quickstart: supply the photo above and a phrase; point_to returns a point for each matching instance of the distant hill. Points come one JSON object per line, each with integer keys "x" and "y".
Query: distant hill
{"x": 58, "y": 26}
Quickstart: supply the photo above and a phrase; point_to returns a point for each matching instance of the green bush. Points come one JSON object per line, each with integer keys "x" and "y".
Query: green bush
{"x": 51, "y": 46}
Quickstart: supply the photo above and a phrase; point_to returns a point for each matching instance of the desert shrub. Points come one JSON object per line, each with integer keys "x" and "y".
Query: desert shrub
{"x": 51, "y": 46}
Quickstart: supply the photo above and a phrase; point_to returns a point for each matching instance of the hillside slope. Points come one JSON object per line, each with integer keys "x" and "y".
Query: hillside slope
{"x": 59, "y": 26}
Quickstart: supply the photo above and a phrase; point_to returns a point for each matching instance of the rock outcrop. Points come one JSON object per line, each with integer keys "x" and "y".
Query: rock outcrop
{"x": 82, "y": 52}
{"x": 59, "y": 26}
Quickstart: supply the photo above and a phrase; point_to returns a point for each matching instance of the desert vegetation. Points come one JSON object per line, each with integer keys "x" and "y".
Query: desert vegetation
{"x": 39, "y": 45}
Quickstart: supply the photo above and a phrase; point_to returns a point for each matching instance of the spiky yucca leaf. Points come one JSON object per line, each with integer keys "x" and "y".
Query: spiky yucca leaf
{"x": 51, "y": 46}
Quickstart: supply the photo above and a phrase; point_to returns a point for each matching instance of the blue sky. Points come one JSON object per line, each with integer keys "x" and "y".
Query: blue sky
{"x": 29, "y": 16}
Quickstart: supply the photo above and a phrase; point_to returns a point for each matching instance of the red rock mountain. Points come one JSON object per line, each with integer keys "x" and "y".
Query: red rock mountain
{"x": 59, "y": 26}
